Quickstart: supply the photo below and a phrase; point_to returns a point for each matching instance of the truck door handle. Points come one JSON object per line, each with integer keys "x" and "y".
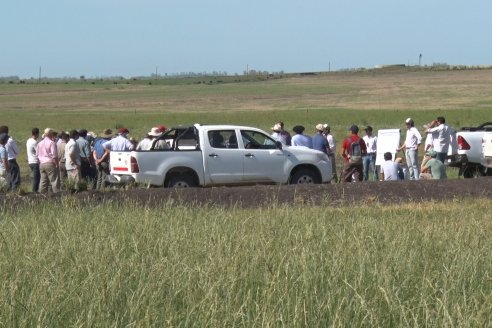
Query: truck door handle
{"x": 213, "y": 155}
{"x": 249, "y": 155}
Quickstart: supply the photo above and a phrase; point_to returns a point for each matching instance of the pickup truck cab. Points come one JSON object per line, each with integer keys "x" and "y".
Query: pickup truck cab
{"x": 213, "y": 155}
{"x": 469, "y": 155}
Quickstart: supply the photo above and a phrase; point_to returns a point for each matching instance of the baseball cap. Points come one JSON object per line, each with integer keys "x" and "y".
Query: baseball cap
{"x": 431, "y": 153}
{"x": 409, "y": 121}
{"x": 123, "y": 130}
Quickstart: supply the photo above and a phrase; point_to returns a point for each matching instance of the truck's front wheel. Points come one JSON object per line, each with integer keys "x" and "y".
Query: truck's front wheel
{"x": 304, "y": 176}
{"x": 181, "y": 181}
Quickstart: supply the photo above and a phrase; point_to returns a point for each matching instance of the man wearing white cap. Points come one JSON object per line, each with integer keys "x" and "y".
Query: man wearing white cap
{"x": 411, "y": 145}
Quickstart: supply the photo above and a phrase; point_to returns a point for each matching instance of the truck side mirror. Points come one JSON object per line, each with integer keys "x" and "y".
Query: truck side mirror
{"x": 278, "y": 145}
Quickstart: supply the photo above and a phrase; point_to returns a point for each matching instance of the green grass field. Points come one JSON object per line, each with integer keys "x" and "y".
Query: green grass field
{"x": 378, "y": 98}
{"x": 372, "y": 266}
{"x": 112, "y": 265}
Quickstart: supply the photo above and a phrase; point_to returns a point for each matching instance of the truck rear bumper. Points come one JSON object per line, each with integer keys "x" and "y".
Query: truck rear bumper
{"x": 119, "y": 179}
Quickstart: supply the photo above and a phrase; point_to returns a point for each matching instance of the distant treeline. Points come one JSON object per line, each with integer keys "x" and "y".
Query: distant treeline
{"x": 223, "y": 77}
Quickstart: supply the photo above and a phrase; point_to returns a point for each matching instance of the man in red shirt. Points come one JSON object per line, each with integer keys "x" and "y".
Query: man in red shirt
{"x": 353, "y": 148}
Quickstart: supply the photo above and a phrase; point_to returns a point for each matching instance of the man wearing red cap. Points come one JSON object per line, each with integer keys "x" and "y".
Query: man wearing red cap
{"x": 161, "y": 128}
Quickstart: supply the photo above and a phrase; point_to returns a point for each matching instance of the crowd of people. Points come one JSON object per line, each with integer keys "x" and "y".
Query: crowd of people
{"x": 359, "y": 154}
{"x": 81, "y": 155}
{"x": 67, "y": 158}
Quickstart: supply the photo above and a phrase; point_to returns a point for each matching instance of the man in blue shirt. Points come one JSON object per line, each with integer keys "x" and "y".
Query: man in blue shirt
{"x": 319, "y": 140}
{"x": 300, "y": 139}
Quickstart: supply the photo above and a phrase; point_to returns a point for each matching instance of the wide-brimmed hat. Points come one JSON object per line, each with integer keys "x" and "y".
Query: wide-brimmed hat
{"x": 277, "y": 127}
{"x": 155, "y": 132}
{"x": 107, "y": 133}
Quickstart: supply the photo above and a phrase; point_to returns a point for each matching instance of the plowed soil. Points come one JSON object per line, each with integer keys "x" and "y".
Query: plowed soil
{"x": 388, "y": 192}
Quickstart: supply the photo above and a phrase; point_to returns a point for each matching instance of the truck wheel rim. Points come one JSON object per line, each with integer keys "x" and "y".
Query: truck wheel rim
{"x": 305, "y": 179}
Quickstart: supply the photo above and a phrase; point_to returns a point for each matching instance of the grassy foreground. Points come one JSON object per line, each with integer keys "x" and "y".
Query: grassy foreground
{"x": 104, "y": 266}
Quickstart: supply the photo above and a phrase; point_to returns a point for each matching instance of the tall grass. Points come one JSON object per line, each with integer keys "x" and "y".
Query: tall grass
{"x": 113, "y": 265}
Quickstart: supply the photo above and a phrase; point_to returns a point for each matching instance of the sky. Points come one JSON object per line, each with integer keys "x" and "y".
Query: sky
{"x": 98, "y": 38}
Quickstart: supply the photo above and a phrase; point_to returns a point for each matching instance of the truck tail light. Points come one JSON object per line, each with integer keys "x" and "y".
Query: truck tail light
{"x": 462, "y": 144}
{"x": 133, "y": 165}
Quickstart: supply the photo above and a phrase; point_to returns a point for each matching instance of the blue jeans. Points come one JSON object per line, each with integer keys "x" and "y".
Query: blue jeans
{"x": 412, "y": 158}
{"x": 369, "y": 162}
{"x": 36, "y": 176}
{"x": 15, "y": 176}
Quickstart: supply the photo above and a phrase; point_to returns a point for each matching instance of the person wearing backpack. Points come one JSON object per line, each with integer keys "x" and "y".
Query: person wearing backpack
{"x": 353, "y": 149}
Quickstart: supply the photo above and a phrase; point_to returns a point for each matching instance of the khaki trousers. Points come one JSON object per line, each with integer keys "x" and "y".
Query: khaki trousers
{"x": 49, "y": 177}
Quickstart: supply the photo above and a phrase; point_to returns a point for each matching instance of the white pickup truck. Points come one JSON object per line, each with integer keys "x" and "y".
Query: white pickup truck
{"x": 469, "y": 155}
{"x": 212, "y": 155}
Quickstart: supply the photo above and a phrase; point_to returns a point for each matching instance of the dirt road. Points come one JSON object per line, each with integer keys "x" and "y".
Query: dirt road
{"x": 389, "y": 192}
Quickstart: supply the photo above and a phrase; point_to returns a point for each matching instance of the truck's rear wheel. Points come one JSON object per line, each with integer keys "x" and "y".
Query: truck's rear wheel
{"x": 305, "y": 176}
{"x": 181, "y": 181}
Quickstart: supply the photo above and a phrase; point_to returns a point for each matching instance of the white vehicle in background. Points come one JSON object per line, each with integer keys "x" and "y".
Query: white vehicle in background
{"x": 468, "y": 156}
{"x": 213, "y": 155}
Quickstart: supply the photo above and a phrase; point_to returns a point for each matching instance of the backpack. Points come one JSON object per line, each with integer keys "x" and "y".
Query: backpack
{"x": 355, "y": 152}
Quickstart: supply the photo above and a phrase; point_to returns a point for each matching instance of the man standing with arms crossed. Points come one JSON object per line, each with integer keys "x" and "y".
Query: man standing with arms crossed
{"x": 411, "y": 145}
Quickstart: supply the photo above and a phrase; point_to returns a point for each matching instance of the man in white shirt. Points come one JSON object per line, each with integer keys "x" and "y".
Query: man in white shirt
{"x": 32, "y": 158}
{"x": 120, "y": 143}
{"x": 389, "y": 169}
{"x": 72, "y": 159}
{"x": 411, "y": 145}
{"x": 369, "y": 161}
{"x": 12, "y": 152}
{"x": 440, "y": 138}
